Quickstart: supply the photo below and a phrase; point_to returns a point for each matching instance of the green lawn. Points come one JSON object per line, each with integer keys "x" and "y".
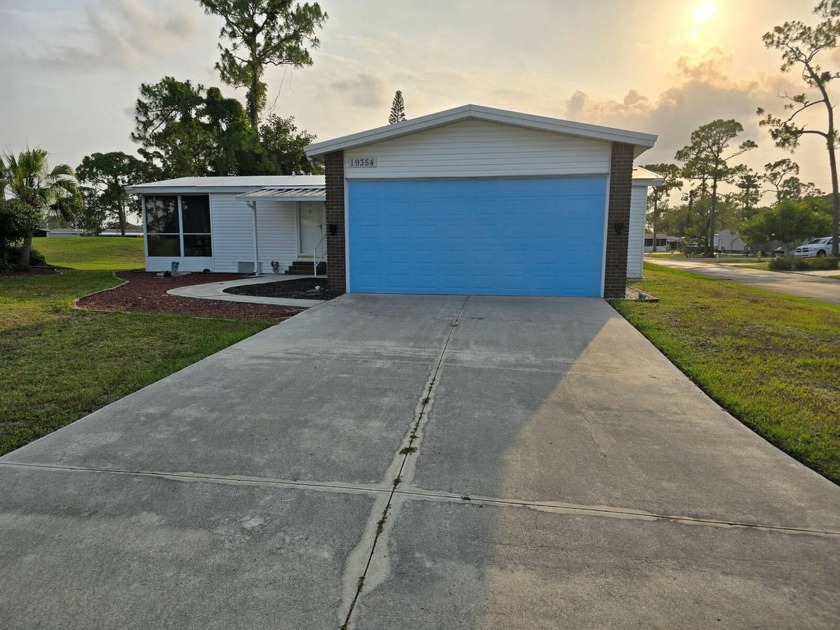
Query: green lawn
{"x": 773, "y": 361}
{"x": 92, "y": 253}
{"x": 57, "y": 364}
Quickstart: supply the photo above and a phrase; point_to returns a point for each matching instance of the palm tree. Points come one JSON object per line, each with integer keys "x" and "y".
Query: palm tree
{"x": 28, "y": 177}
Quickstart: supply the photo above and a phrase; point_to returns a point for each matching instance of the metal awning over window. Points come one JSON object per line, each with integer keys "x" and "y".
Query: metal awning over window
{"x": 286, "y": 194}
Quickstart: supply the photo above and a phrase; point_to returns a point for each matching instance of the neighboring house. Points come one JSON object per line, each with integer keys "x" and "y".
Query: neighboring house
{"x": 210, "y": 223}
{"x": 475, "y": 200}
{"x": 729, "y": 242}
{"x": 471, "y": 200}
{"x": 664, "y": 242}
{"x": 58, "y": 232}
{"x": 642, "y": 180}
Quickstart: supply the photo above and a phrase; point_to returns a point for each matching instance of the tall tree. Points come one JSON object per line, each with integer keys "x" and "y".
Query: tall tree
{"x": 800, "y": 46}
{"x": 29, "y": 178}
{"x": 397, "y": 109}
{"x": 706, "y": 158}
{"x": 749, "y": 192}
{"x": 261, "y": 33}
{"x": 187, "y": 130}
{"x": 282, "y": 149}
{"x": 103, "y": 177}
{"x": 658, "y": 197}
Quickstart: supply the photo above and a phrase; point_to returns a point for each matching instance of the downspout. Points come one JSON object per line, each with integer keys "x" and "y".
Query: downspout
{"x": 253, "y": 205}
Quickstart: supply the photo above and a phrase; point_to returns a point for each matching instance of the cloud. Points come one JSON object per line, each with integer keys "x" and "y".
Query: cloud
{"x": 126, "y": 34}
{"x": 362, "y": 90}
{"x": 702, "y": 92}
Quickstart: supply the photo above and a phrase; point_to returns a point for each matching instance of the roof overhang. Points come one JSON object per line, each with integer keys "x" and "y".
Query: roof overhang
{"x": 641, "y": 141}
{"x": 644, "y": 177}
{"x": 285, "y": 194}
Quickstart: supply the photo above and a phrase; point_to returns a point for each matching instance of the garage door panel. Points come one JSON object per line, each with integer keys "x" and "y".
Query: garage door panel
{"x": 505, "y": 236}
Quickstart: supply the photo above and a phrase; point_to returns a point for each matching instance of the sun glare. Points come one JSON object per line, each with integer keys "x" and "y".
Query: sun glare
{"x": 703, "y": 12}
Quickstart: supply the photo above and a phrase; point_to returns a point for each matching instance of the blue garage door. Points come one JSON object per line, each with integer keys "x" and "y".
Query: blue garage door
{"x": 485, "y": 237}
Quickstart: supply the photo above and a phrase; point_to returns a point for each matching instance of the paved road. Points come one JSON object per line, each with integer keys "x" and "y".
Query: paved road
{"x": 554, "y": 470}
{"x": 798, "y": 284}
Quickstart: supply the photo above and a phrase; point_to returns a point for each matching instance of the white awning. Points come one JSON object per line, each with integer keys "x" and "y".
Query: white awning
{"x": 286, "y": 194}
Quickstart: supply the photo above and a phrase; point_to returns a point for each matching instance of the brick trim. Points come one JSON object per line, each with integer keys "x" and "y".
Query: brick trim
{"x": 336, "y": 243}
{"x": 618, "y": 219}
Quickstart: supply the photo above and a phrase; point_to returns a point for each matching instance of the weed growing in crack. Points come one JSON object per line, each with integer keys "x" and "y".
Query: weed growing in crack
{"x": 380, "y": 526}
{"x": 426, "y": 400}
{"x": 466, "y": 498}
{"x": 408, "y": 449}
{"x": 397, "y": 481}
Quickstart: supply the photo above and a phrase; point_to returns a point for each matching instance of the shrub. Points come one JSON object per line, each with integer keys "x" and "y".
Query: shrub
{"x": 782, "y": 263}
{"x": 792, "y": 263}
{"x": 12, "y": 255}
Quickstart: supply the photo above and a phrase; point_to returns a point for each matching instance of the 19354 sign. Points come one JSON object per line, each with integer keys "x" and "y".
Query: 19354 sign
{"x": 363, "y": 162}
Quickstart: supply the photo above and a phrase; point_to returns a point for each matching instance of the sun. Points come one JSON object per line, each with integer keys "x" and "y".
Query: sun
{"x": 703, "y": 12}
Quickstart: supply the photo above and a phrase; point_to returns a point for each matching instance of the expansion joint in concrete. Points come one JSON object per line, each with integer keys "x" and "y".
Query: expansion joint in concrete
{"x": 378, "y": 530}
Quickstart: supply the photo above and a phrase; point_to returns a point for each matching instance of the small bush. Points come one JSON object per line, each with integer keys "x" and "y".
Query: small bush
{"x": 782, "y": 263}
{"x": 793, "y": 263}
{"x": 12, "y": 256}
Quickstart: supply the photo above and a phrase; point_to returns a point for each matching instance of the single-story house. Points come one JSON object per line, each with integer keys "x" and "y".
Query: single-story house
{"x": 728, "y": 241}
{"x": 664, "y": 242}
{"x": 481, "y": 200}
{"x": 225, "y": 224}
{"x": 469, "y": 200}
{"x": 642, "y": 180}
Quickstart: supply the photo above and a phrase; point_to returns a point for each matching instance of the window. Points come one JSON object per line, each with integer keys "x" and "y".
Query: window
{"x": 195, "y": 211}
{"x": 162, "y": 226}
{"x": 176, "y": 224}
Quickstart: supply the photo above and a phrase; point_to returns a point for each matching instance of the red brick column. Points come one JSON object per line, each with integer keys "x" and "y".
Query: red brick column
{"x": 618, "y": 219}
{"x": 336, "y": 268}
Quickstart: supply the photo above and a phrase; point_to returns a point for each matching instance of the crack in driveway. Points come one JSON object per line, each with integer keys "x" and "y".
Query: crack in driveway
{"x": 379, "y": 525}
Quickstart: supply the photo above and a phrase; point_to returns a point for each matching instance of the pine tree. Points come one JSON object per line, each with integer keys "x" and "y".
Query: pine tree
{"x": 397, "y": 109}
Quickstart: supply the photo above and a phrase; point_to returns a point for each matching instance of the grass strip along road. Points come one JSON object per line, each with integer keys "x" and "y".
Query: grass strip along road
{"x": 58, "y": 364}
{"x": 771, "y": 360}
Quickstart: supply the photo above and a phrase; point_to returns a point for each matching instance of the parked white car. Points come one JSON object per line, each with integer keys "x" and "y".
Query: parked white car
{"x": 820, "y": 247}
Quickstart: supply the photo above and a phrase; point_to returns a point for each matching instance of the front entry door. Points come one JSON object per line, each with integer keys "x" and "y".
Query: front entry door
{"x": 312, "y": 242}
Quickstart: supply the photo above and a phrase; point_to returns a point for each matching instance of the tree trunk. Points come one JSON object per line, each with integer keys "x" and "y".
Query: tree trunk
{"x": 655, "y": 208}
{"x": 835, "y": 199}
{"x": 121, "y": 215}
{"x": 710, "y": 244}
{"x": 25, "y": 251}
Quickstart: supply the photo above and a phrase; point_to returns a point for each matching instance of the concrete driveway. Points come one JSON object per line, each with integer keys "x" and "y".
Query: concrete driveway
{"x": 554, "y": 470}
{"x": 797, "y": 284}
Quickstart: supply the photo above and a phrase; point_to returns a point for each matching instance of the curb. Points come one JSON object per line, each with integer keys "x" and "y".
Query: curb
{"x": 75, "y": 302}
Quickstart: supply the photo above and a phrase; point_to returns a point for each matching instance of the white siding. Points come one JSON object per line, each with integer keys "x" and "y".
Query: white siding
{"x": 475, "y": 148}
{"x": 233, "y": 233}
{"x": 636, "y": 234}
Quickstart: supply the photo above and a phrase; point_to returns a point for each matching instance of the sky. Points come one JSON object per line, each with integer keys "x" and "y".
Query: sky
{"x": 72, "y": 69}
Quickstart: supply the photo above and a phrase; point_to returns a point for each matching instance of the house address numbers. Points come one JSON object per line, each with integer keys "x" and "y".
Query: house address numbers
{"x": 363, "y": 162}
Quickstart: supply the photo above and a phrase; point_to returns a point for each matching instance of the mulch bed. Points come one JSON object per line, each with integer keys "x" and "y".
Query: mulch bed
{"x": 301, "y": 289}
{"x": 146, "y": 292}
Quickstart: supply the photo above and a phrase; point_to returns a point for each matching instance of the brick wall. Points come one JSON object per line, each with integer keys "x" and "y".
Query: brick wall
{"x": 618, "y": 219}
{"x": 336, "y": 243}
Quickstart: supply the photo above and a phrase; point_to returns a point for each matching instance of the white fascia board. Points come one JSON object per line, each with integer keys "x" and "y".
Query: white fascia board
{"x": 152, "y": 189}
{"x": 642, "y": 141}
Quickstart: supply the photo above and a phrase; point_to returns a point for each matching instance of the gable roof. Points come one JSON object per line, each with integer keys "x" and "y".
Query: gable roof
{"x": 642, "y": 141}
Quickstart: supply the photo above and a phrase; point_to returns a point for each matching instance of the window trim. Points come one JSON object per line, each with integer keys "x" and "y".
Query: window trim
{"x": 180, "y": 234}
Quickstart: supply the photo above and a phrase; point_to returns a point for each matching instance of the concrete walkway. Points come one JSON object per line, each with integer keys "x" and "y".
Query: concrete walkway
{"x": 216, "y": 291}
{"x": 422, "y": 462}
{"x": 810, "y": 285}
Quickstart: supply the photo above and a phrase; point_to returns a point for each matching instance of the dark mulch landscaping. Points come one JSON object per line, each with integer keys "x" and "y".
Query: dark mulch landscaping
{"x": 146, "y": 292}
{"x": 300, "y": 289}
